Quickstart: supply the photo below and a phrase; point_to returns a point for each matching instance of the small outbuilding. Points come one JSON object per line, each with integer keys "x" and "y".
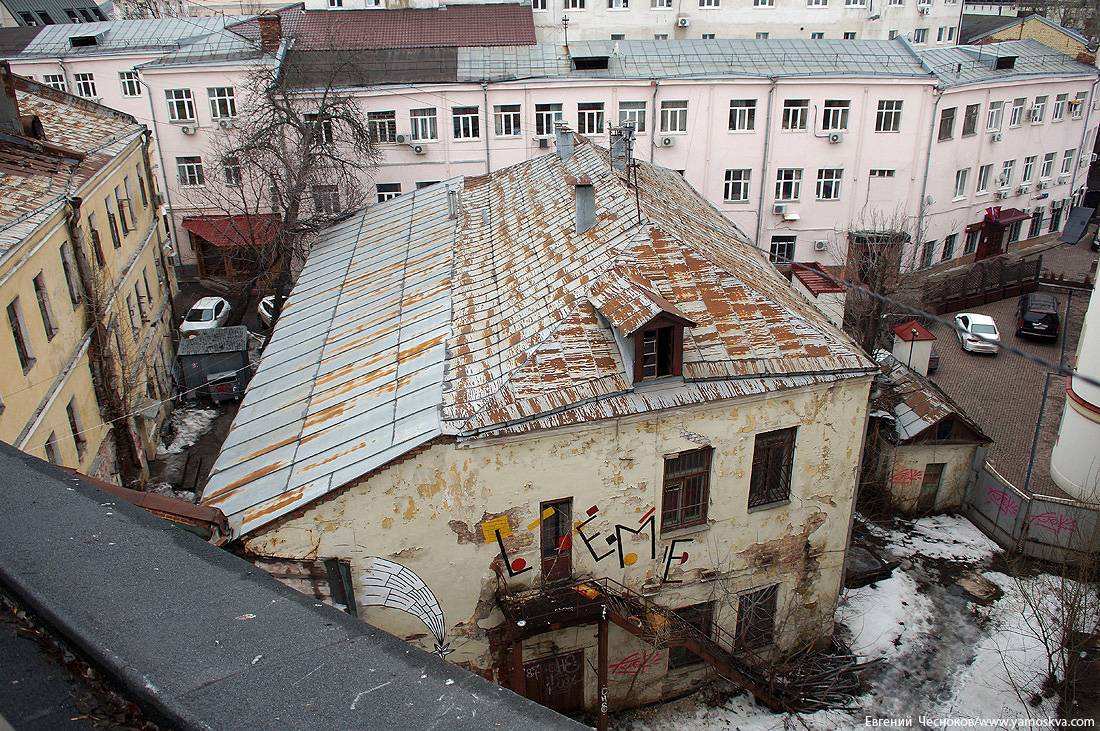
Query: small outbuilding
{"x": 215, "y": 362}
{"x": 921, "y": 445}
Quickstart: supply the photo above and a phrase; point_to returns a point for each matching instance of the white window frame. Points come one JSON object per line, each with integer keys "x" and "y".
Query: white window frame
{"x": 382, "y": 126}
{"x": 828, "y": 183}
{"x": 736, "y": 185}
{"x": 55, "y": 81}
{"x": 130, "y": 83}
{"x": 424, "y": 124}
{"x": 888, "y": 115}
{"x": 590, "y": 121}
{"x": 1029, "y": 168}
{"x": 1047, "y": 168}
{"x": 632, "y": 111}
{"x": 962, "y": 177}
{"x": 920, "y": 35}
{"x": 742, "y": 116}
{"x": 995, "y": 116}
{"x": 223, "y": 102}
{"x": 674, "y": 117}
{"x": 547, "y": 115}
{"x": 795, "y": 114}
{"x": 507, "y": 120}
{"x": 85, "y": 85}
{"x": 981, "y": 183}
{"x": 392, "y": 190}
{"x": 189, "y": 171}
{"x": 834, "y": 115}
{"x": 1067, "y": 162}
{"x": 788, "y": 184}
{"x": 1016, "y": 116}
{"x": 1008, "y": 169}
{"x": 1039, "y": 109}
{"x": 181, "y": 105}
{"x": 1058, "y": 111}
{"x": 466, "y": 122}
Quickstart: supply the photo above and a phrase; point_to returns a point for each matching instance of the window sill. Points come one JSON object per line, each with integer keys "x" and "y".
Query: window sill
{"x": 682, "y": 532}
{"x": 183, "y": 122}
{"x": 463, "y": 140}
{"x": 958, "y": 198}
{"x": 769, "y": 506}
{"x": 742, "y": 131}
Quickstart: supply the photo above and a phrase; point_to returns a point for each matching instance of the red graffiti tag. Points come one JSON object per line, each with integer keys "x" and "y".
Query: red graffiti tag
{"x": 635, "y": 662}
{"x": 1003, "y": 500}
{"x": 906, "y": 477}
{"x": 1054, "y": 522}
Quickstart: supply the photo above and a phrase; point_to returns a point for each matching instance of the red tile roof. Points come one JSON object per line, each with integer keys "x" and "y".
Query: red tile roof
{"x": 233, "y": 231}
{"x": 906, "y": 329}
{"x": 814, "y": 278}
{"x": 503, "y": 24}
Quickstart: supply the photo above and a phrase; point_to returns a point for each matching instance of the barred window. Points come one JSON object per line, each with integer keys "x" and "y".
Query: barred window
{"x": 686, "y": 490}
{"x": 756, "y": 617}
{"x": 772, "y": 460}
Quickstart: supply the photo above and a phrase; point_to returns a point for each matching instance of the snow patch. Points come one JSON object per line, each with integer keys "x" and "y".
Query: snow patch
{"x": 886, "y": 618}
{"x": 950, "y": 537}
{"x": 187, "y": 425}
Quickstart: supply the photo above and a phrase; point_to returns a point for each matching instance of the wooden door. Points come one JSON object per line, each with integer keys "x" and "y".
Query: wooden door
{"x": 930, "y": 487}
{"x": 557, "y": 682}
{"x": 557, "y": 540}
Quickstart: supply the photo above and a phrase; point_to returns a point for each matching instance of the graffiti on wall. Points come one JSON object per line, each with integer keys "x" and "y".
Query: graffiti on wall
{"x": 600, "y": 545}
{"x": 1054, "y": 522}
{"x": 1003, "y": 500}
{"x": 635, "y": 663}
{"x": 389, "y": 584}
{"x": 906, "y": 476}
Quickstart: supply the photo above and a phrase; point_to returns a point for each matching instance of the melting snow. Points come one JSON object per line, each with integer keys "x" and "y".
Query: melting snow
{"x": 951, "y": 537}
{"x": 886, "y": 618}
{"x": 187, "y": 426}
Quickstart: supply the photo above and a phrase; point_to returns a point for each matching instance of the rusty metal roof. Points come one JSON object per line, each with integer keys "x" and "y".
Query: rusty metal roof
{"x": 913, "y": 401}
{"x": 36, "y": 176}
{"x": 408, "y": 324}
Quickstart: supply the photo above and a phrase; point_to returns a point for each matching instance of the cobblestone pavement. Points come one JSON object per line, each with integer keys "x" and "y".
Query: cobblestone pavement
{"x": 1003, "y": 393}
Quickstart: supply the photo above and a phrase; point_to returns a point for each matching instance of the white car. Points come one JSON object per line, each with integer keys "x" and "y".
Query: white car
{"x": 206, "y": 314}
{"x": 977, "y": 333}
{"x": 265, "y": 310}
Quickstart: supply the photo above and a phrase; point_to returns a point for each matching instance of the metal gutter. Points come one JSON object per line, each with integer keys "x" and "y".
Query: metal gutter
{"x": 764, "y": 162}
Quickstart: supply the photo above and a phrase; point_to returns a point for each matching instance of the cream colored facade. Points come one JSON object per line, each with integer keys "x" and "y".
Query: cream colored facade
{"x": 50, "y": 404}
{"x": 434, "y": 513}
{"x": 908, "y": 465}
{"x": 1036, "y": 28}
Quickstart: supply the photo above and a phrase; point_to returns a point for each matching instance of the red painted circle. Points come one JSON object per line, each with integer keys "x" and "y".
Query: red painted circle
{"x": 518, "y": 564}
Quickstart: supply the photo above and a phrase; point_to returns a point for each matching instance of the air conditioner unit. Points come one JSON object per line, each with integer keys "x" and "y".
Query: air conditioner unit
{"x": 1000, "y": 195}
{"x": 225, "y": 123}
{"x": 401, "y": 139}
{"x": 923, "y": 10}
{"x": 1063, "y": 178}
{"x": 929, "y": 199}
{"x": 779, "y": 209}
{"x": 419, "y": 149}
{"x": 1023, "y": 189}
{"x": 1042, "y": 185}
{"x": 821, "y": 245}
{"x": 683, "y": 22}
{"x": 668, "y": 141}
{"x": 996, "y": 137}
{"x": 189, "y": 129}
{"x": 836, "y": 137}
{"x": 544, "y": 143}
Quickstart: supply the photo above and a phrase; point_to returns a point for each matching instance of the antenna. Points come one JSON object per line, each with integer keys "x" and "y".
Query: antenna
{"x": 565, "y": 27}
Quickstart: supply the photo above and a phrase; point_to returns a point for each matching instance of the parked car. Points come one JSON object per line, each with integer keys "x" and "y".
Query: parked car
{"x": 265, "y": 310}
{"x": 1037, "y": 314}
{"x": 977, "y": 333}
{"x": 207, "y": 313}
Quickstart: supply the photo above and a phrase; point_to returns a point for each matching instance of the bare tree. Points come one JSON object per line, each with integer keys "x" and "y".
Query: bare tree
{"x": 141, "y": 9}
{"x": 289, "y": 164}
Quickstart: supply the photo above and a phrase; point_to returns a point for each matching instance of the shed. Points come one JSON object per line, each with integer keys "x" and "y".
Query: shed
{"x": 218, "y": 354}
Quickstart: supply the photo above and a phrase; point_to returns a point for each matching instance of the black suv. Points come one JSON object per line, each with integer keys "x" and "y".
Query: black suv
{"x": 1037, "y": 314}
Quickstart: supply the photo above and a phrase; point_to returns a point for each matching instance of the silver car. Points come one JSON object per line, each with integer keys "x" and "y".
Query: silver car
{"x": 977, "y": 333}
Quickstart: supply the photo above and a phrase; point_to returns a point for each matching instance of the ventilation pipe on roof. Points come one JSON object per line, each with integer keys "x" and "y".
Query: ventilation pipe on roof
{"x": 9, "y": 105}
{"x": 563, "y": 141}
{"x": 622, "y": 142}
{"x": 585, "y": 196}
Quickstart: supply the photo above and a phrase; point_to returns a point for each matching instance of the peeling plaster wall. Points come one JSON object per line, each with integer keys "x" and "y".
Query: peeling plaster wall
{"x": 428, "y": 514}
{"x": 907, "y": 472}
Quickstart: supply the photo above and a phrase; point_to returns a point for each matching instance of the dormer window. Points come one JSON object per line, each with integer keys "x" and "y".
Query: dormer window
{"x": 659, "y": 348}
{"x": 658, "y": 352}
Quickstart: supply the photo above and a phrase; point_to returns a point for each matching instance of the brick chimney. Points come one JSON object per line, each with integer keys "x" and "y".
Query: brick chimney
{"x": 9, "y": 106}
{"x": 271, "y": 32}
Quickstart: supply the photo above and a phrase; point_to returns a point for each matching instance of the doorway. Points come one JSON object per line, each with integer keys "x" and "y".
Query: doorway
{"x": 556, "y": 682}
{"x": 930, "y": 487}
{"x": 557, "y": 540}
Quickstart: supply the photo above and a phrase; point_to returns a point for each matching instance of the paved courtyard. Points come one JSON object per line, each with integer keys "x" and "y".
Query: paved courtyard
{"x": 1003, "y": 393}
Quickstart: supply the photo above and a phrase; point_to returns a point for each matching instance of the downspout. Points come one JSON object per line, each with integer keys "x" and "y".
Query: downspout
{"x": 764, "y": 163}
{"x": 163, "y": 169}
{"x": 1081, "y": 144}
{"x": 65, "y": 75}
{"x": 653, "y": 120}
{"x": 485, "y": 125}
{"x": 922, "y": 204}
{"x": 148, "y": 140}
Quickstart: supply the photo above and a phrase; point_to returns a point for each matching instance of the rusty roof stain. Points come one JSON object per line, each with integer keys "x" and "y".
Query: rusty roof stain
{"x": 37, "y": 176}
{"x": 913, "y": 401}
{"x": 501, "y": 319}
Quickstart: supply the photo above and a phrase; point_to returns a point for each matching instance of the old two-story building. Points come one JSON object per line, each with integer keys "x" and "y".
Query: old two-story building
{"x": 499, "y": 405}
{"x": 83, "y": 281}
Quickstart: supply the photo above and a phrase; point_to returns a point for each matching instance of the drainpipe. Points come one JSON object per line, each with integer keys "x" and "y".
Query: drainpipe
{"x": 485, "y": 116}
{"x": 764, "y": 163}
{"x": 927, "y": 166}
{"x": 147, "y": 140}
{"x": 1081, "y": 144}
{"x": 65, "y": 75}
{"x": 163, "y": 169}
{"x": 653, "y": 120}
